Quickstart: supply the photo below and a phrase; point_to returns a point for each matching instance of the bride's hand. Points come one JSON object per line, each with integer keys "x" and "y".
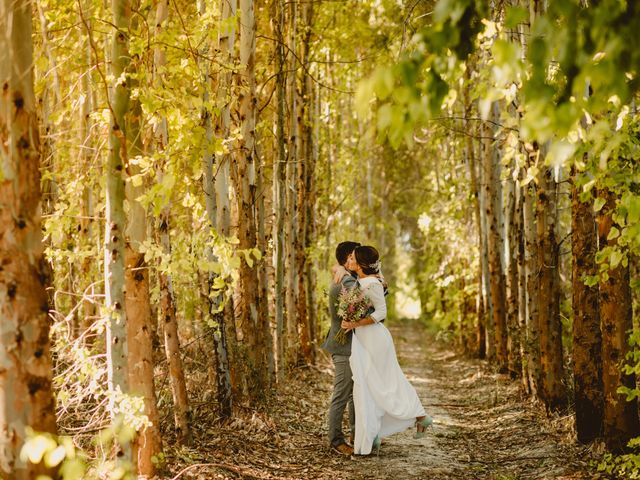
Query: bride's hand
{"x": 348, "y": 325}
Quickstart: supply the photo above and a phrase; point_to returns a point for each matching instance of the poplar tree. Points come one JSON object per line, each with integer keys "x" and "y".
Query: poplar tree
{"x": 25, "y": 359}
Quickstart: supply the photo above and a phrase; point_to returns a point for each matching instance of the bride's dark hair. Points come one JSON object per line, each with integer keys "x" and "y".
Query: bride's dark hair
{"x": 367, "y": 257}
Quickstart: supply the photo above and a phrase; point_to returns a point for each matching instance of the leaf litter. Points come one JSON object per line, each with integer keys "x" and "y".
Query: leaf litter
{"x": 485, "y": 428}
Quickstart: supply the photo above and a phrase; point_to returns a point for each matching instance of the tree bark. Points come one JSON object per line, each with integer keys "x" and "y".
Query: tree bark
{"x": 26, "y": 369}
{"x": 532, "y": 340}
{"x": 587, "y": 337}
{"x": 494, "y": 243}
{"x": 115, "y": 220}
{"x": 215, "y": 318}
{"x": 522, "y": 285}
{"x": 553, "y": 392}
{"x": 279, "y": 190}
{"x": 254, "y": 329}
{"x": 167, "y": 300}
{"x": 172, "y": 342}
{"x": 480, "y": 333}
{"x": 310, "y": 224}
{"x": 305, "y": 167}
{"x": 292, "y": 242}
{"x": 513, "y": 235}
{"x": 89, "y": 313}
{"x": 148, "y": 442}
{"x": 487, "y": 308}
{"x": 620, "y": 417}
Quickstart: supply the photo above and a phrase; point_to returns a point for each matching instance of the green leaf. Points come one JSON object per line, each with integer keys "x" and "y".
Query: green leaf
{"x": 515, "y": 16}
{"x": 616, "y": 258}
{"x": 633, "y": 209}
{"x": 591, "y": 280}
{"x": 598, "y": 204}
{"x": 613, "y": 233}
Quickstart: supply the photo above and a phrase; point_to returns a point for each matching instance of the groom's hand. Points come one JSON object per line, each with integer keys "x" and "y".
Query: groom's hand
{"x": 338, "y": 272}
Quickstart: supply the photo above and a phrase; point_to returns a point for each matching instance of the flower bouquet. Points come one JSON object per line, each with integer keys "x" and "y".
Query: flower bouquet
{"x": 352, "y": 306}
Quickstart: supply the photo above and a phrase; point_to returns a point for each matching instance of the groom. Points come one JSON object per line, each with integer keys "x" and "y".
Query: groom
{"x": 343, "y": 381}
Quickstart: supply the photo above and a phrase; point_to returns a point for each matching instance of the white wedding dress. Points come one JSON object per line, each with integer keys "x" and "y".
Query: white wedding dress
{"x": 384, "y": 400}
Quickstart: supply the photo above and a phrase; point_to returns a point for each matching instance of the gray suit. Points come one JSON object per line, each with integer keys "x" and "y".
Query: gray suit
{"x": 343, "y": 381}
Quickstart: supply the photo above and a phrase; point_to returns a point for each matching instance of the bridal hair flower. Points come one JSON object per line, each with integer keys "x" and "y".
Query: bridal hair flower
{"x": 375, "y": 266}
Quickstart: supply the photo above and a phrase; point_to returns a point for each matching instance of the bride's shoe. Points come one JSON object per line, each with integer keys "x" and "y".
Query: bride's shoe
{"x": 376, "y": 445}
{"x": 422, "y": 425}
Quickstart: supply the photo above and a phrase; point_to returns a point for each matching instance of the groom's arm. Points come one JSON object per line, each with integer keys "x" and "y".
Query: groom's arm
{"x": 348, "y": 281}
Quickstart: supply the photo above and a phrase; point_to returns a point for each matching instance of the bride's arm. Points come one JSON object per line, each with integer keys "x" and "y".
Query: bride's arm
{"x": 375, "y": 293}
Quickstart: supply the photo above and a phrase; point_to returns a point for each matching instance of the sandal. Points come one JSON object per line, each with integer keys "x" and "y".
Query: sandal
{"x": 422, "y": 425}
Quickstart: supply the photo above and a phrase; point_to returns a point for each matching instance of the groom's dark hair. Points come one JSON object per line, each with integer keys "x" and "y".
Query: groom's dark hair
{"x": 343, "y": 250}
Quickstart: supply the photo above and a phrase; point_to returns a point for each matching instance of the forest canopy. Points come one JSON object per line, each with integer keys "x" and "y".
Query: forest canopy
{"x": 175, "y": 177}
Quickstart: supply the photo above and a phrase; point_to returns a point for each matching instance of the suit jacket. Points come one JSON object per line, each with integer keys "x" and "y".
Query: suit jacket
{"x": 330, "y": 345}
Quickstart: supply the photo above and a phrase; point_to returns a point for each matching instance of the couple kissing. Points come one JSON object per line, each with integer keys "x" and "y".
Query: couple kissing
{"x": 368, "y": 381}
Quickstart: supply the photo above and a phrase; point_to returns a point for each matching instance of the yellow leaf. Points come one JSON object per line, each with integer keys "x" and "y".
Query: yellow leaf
{"x": 613, "y": 233}
{"x": 54, "y": 457}
{"x": 35, "y": 448}
{"x": 136, "y": 180}
{"x": 247, "y": 257}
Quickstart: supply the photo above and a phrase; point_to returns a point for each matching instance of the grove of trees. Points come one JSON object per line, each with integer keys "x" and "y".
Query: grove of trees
{"x": 175, "y": 176}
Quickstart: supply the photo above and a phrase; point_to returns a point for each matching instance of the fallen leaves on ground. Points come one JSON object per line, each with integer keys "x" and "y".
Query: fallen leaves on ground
{"x": 485, "y": 428}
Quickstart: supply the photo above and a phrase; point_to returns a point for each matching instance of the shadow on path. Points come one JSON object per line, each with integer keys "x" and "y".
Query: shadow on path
{"x": 484, "y": 429}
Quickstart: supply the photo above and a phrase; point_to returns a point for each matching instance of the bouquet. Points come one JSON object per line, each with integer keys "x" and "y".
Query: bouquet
{"x": 352, "y": 306}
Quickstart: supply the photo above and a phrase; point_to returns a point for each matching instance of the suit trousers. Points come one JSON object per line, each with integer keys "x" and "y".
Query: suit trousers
{"x": 342, "y": 398}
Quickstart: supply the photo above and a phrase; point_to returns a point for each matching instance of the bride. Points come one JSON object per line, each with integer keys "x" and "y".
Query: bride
{"x": 384, "y": 400}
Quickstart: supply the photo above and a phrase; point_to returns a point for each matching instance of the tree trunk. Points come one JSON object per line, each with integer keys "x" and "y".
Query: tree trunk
{"x": 310, "y": 203}
{"x": 305, "y": 151}
{"x": 115, "y": 221}
{"x": 480, "y": 348}
{"x": 172, "y": 341}
{"x": 167, "y": 300}
{"x": 25, "y": 381}
{"x": 279, "y": 190}
{"x": 553, "y": 392}
{"x": 487, "y": 307}
{"x": 513, "y": 235}
{"x": 620, "y": 417}
{"x": 494, "y": 244}
{"x": 148, "y": 442}
{"x": 88, "y": 315}
{"x": 522, "y": 285}
{"x": 233, "y": 338}
{"x": 293, "y": 347}
{"x": 263, "y": 266}
{"x": 254, "y": 329}
{"x": 587, "y": 337}
{"x": 49, "y": 102}
{"x": 532, "y": 342}
{"x": 215, "y": 318}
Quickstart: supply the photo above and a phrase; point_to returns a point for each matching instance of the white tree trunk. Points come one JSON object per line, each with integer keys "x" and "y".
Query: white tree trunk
{"x": 25, "y": 361}
{"x": 115, "y": 223}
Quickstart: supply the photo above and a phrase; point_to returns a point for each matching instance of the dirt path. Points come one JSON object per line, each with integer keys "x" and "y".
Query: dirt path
{"x": 483, "y": 429}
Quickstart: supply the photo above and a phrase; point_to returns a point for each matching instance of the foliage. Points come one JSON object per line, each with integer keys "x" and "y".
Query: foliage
{"x": 393, "y": 155}
{"x": 625, "y": 466}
